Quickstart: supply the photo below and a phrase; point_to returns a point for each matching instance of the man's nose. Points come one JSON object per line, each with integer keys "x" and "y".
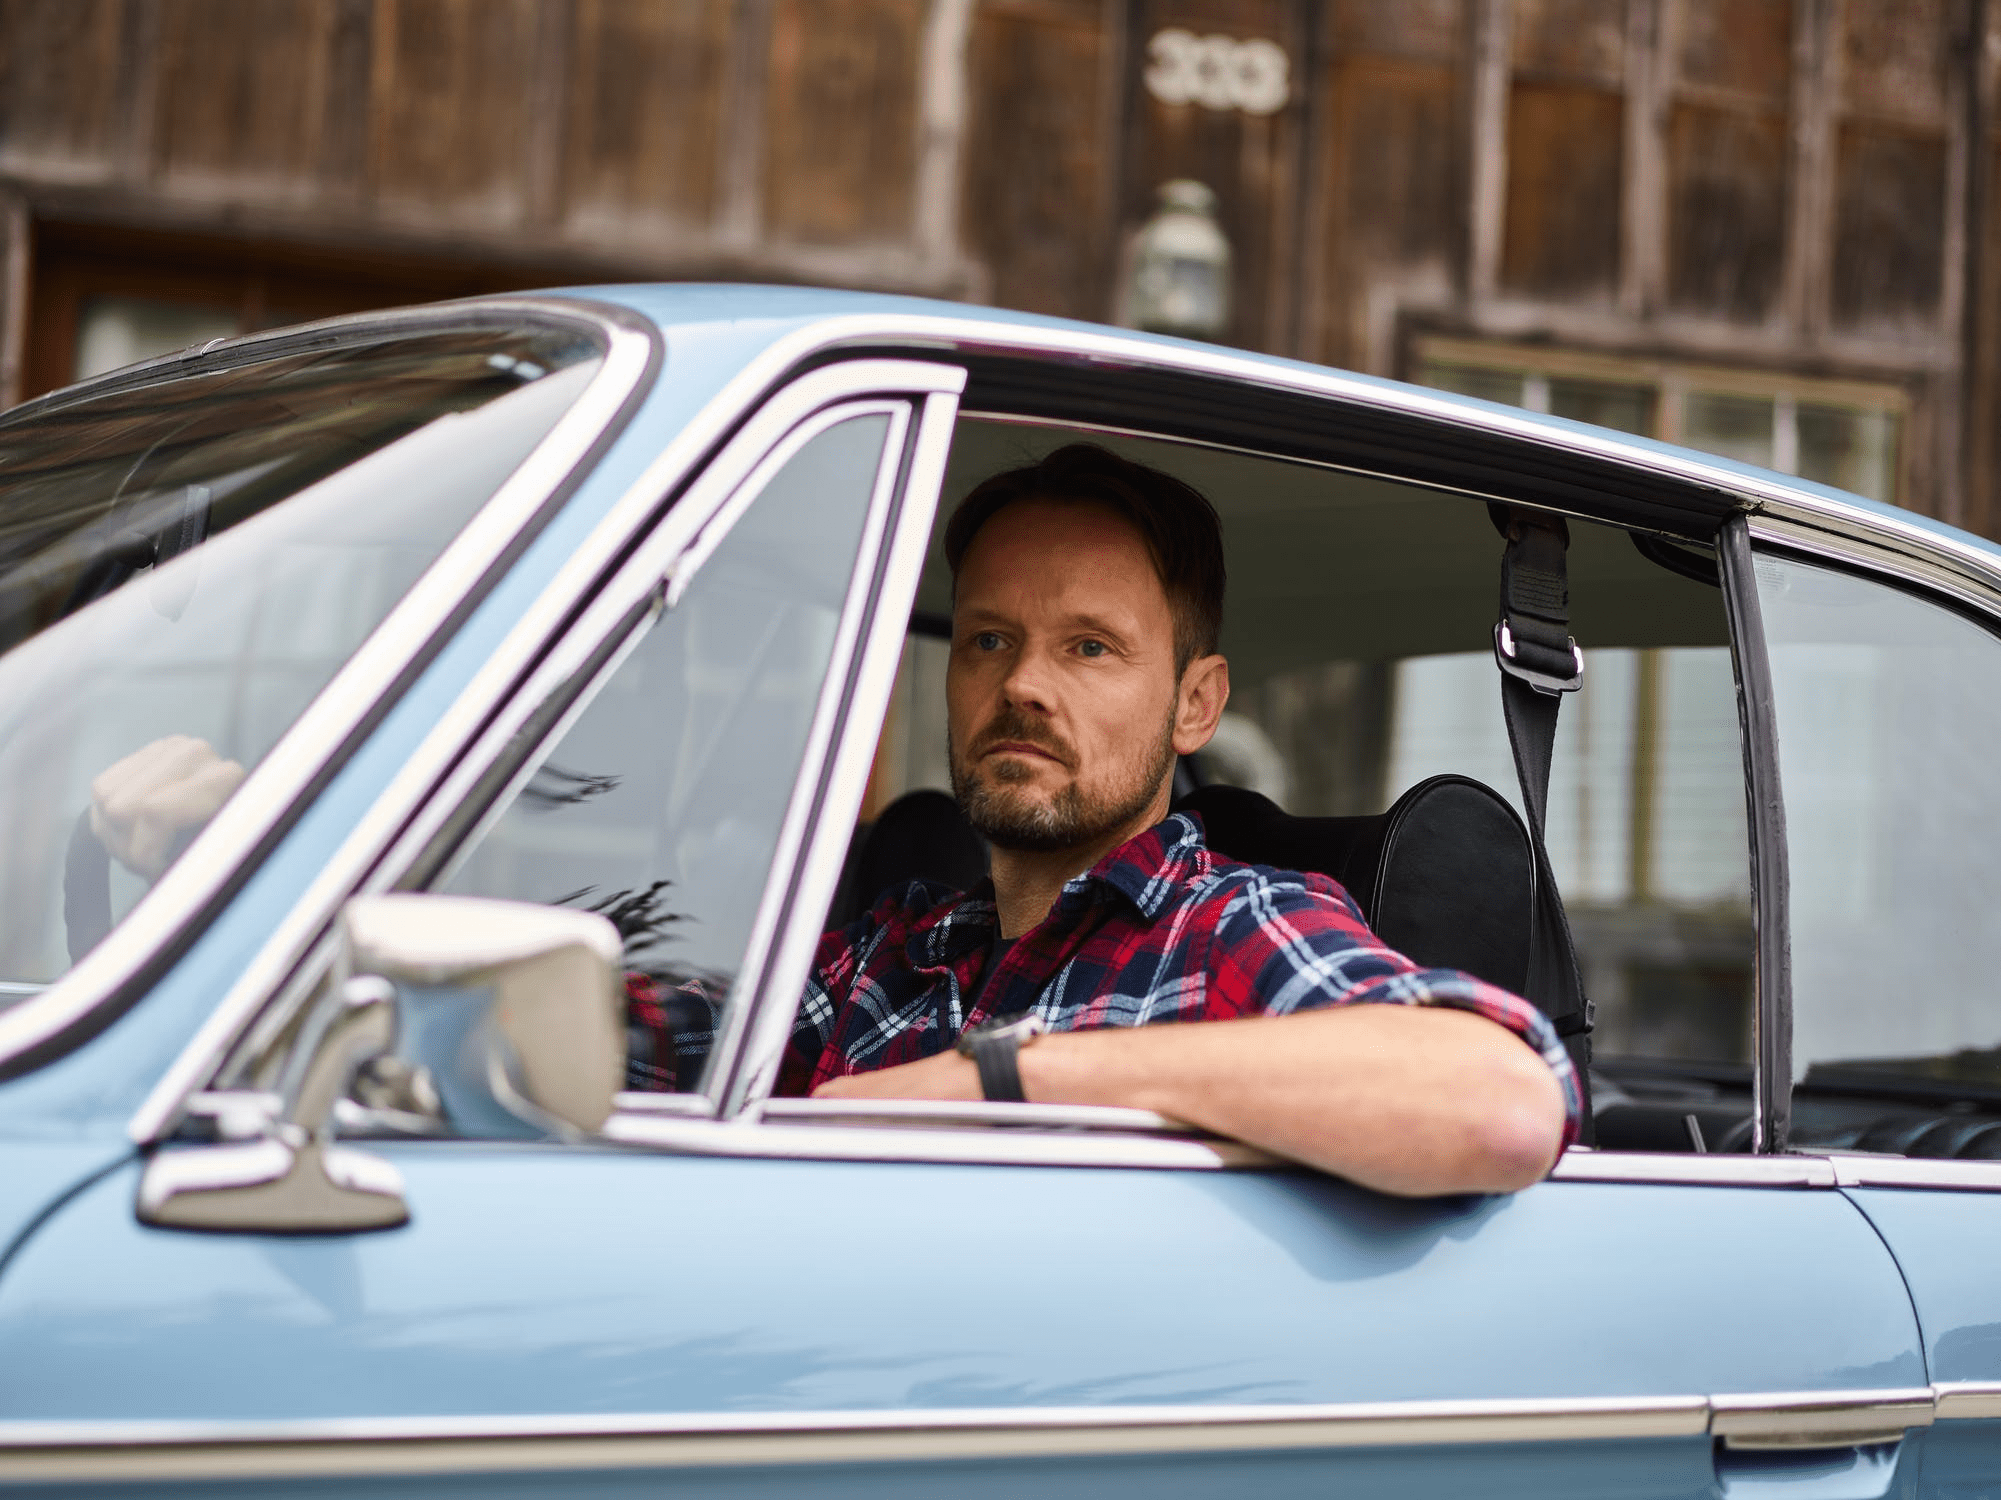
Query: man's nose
{"x": 1029, "y": 682}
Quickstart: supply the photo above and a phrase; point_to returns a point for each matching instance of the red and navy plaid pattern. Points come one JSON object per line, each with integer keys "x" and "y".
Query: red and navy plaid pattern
{"x": 1161, "y": 929}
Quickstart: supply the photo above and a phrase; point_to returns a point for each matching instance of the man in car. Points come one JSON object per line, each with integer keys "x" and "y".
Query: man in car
{"x": 1088, "y": 595}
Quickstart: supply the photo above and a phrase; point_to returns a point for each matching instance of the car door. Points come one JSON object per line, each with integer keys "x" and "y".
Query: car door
{"x": 1886, "y": 694}
{"x": 737, "y": 1292}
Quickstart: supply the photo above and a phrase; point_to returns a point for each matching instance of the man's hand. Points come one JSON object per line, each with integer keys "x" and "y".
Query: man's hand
{"x": 946, "y": 1076}
{"x": 1418, "y": 1100}
{"x": 141, "y": 806}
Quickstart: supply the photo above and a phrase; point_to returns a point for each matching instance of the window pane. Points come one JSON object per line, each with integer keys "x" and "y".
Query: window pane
{"x": 193, "y": 561}
{"x": 1889, "y": 712}
{"x": 117, "y": 331}
{"x": 1738, "y": 427}
{"x": 1849, "y": 449}
{"x": 1504, "y": 386}
{"x": 1629, "y": 408}
{"x": 661, "y": 805}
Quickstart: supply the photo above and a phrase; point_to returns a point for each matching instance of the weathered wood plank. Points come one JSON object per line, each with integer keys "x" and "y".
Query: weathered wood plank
{"x": 447, "y": 127}
{"x": 1428, "y": 30}
{"x": 1889, "y": 225}
{"x": 59, "y": 82}
{"x": 1726, "y": 210}
{"x": 1034, "y": 202}
{"x": 1574, "y": 41}
{"x": 841, "y": 116}
{"x": 1894, "y": 59}
{"x": 1565, "y": 145}
{"x": 645, "y": 102}
{"x": 242, "y": 91}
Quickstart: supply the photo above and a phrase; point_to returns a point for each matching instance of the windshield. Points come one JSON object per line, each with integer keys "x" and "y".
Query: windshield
{"x": 185, "y": 565}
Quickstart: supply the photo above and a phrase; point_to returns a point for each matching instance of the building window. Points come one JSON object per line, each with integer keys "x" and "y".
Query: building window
{"x": 1839, "y": 433}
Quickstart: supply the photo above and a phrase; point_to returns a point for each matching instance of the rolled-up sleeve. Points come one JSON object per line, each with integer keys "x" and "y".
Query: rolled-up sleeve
{"x": 1288, "y": 943}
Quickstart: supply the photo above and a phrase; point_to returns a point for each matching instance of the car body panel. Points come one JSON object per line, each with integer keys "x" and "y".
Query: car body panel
{"x": 719, "y": 1285}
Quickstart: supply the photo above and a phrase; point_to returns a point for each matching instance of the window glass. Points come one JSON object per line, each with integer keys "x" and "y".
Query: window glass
{"x": 1605, "y": 403}
{"x": 1738, "y": 427}
{"x": 187, "y": 564}
{"x": 1889, "y": 712}
{"x": 660, "y": 806}
{"x": 1359, "y": 629}
{"x": 113, "y": 332}
{"x": 1849, "y": 449}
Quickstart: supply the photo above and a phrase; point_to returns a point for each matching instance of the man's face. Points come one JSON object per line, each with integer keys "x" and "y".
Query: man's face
{"x": 1062, "y": 691}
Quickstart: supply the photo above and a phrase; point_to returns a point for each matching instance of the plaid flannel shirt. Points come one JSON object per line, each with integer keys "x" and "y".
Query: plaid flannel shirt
{"x": 1161, "y": 929}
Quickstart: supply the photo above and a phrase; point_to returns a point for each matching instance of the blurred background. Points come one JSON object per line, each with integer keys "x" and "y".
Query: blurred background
{"x": 1762, "y": 227}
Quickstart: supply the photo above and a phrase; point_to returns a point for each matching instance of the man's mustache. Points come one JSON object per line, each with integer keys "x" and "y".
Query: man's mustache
{"x": 1014, "y": 726}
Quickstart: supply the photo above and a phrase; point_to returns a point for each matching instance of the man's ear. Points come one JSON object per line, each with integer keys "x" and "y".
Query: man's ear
{"x": 1205, "y": 689}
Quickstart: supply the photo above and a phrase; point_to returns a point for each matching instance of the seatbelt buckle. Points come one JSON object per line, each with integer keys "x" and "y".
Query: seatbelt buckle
{"x": 1505, "y": 654}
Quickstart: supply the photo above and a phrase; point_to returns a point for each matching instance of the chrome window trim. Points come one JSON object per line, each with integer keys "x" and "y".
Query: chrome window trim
{"x": 532, "y": 1442}
{"x": 385, "y": 840}
{"x": 319, "y": 739}
{"x": 1896, "y": 551}
{"x": 1950, "y": 1174}
{"x": 1692, "y": 1169}
{"x": 826, "y": 806}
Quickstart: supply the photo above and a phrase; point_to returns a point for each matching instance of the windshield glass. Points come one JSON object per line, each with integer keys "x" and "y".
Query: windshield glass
{"x": 185, "y": 565}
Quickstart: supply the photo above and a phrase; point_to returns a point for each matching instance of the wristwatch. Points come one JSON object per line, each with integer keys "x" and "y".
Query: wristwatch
{"x": 992, "y": 1046}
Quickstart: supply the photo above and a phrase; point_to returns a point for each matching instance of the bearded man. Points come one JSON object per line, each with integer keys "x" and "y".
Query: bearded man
{"x": 1087, "y": 600}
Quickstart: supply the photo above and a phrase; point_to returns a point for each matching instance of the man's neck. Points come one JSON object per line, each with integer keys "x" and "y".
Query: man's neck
{"x": 1027, "y": 882}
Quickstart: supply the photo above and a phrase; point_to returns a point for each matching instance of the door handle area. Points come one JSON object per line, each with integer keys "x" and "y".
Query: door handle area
{"x": 1865, "y": 1471}
{"x": 1825, "y": 1445}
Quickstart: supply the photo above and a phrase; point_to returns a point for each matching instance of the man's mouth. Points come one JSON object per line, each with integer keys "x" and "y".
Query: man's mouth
{"x": 1021, "y": 747}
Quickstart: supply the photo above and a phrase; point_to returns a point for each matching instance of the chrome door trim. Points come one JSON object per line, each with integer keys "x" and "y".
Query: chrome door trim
{"x": 318, "y": 739}
{"x": 1966, "y": 1400}
{"x": 1820, "y": 1419}
{"x": 974, "y": 1112}
{"x": 1886, "y": 546}
{"x": 359, "y": 864}
{"x": 1916, "y": 1172}
{"x": 1693, "y": 1169}
{"x": 52, "y": 1451}
{"x": 56, "y": 1451}
{"x": 747, "y": 1135}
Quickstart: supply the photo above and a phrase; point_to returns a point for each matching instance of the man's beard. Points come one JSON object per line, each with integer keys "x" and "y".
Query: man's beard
{"x": 1070, "y": 819}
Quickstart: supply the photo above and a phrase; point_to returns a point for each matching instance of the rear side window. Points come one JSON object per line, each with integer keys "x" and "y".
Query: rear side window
{"x": 188, "y": 563}
{"x": 1889, "y": 718}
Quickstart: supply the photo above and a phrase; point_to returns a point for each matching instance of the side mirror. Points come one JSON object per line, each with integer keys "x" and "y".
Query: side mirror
{"x": 515, "y": 1011}
{"x": 512, "y": 1013}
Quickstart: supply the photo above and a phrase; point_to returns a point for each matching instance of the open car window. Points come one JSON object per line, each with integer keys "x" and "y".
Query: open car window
{"x": 1359, "y": 628}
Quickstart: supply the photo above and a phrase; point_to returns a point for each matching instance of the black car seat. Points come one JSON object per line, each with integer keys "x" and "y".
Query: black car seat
{"x": 922, "y": 835}
{"x": 1447, "y": 875}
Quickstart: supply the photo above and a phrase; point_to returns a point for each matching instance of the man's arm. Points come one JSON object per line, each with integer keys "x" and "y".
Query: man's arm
{"x": 1405, "y": 1099}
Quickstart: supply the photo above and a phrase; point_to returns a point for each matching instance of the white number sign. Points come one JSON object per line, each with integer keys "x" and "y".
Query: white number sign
{"x": 1217, "y": 72}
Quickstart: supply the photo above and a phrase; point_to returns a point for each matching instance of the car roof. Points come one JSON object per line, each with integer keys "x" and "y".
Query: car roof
{"x": 788, "y": 309}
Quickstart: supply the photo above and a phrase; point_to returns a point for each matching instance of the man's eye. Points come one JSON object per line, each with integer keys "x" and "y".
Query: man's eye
{"x": 988, "y": 640}
{"x": 1094, "y": 648}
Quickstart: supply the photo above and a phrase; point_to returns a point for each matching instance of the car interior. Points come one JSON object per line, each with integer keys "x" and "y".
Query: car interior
{"x": 1365, "y": 740}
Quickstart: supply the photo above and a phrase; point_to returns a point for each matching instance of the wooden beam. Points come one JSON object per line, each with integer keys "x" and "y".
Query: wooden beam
{"x": 1804, "y": 286}
{"x": 739, "y": 220}
{"x": 1487, "y": 193}
{"x": 941, "y": 127}
{"x": 1643, "y": 211}
{"x": 16, "y": 228}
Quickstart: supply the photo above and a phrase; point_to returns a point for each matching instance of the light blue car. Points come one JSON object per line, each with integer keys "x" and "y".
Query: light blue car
{"x": 526, "y": 643}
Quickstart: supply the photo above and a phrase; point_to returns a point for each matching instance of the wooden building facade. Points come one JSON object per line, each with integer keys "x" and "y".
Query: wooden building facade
{"x": 1766, "y": 227}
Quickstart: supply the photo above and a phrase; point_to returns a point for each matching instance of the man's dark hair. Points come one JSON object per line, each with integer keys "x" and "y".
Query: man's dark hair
{"x": 1179, "y": 526}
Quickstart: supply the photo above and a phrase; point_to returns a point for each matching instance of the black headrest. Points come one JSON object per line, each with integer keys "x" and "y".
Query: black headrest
{"x": 922, "y": 835}
{"x": 1446, "y": 876}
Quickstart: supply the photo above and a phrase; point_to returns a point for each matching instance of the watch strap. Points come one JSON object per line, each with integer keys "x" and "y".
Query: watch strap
{"x": 1000, "y": 1075}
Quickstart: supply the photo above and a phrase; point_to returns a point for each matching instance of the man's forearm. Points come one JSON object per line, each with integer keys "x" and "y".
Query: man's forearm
{"x": 1406, "y": 1099}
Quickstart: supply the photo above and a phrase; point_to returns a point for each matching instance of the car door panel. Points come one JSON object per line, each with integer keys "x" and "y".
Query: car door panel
{"x": 567, "y": 1282}
{"x": 1944, "y": 1243}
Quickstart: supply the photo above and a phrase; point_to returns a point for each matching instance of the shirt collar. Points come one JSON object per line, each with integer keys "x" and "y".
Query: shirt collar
{"x": 1150, "y": 868}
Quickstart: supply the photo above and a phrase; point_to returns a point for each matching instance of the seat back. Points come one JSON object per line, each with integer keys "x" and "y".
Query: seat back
{"x": 921, "y": 835}
{"x": 1446, "y": 876}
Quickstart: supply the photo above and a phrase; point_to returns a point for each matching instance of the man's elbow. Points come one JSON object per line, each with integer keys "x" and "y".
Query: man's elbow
{"x": 1520, "y": 1133}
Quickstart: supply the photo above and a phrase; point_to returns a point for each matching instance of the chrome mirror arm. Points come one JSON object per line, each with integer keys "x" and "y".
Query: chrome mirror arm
{"x": 289, "y": 1176}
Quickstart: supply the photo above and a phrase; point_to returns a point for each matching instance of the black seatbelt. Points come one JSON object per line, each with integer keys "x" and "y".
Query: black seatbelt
{"x": 1540, "y": 662}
